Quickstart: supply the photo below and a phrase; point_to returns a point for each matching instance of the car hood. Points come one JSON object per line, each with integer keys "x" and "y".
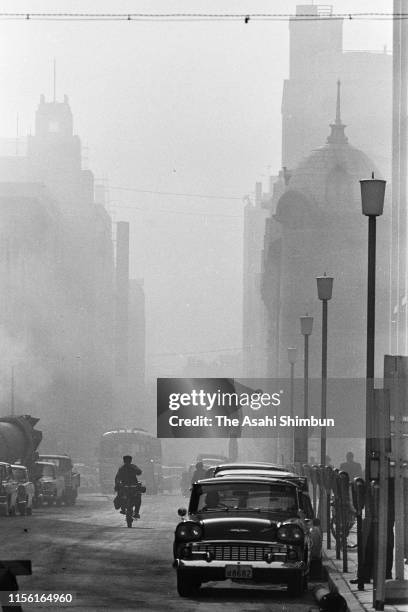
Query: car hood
{"x": 238, "y": 528}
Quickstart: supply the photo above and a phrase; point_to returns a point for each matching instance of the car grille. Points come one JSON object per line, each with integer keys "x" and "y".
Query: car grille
{"x": 48, "y": 487}
{"x": 229, "y": 552}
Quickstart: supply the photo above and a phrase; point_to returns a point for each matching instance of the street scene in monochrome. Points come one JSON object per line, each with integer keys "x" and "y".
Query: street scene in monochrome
{"x": 203, "y": 305}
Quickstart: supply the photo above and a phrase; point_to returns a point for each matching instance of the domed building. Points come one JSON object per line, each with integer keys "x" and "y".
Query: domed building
{"x": 318, "y": 228}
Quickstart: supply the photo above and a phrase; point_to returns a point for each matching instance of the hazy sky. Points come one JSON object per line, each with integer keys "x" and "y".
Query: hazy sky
{"x": 185, "y": 107}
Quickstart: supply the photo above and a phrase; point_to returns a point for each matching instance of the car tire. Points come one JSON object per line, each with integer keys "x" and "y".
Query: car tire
{"x": 186, "y": 587}
{"x": 296, "y": 585}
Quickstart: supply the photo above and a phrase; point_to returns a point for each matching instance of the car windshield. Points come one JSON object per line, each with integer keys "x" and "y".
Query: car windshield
{"x": 19, "y": 474}
{"x": 47, "y": 470}
{"x": 61, "y": 463}
{"x": 244, "y": 496}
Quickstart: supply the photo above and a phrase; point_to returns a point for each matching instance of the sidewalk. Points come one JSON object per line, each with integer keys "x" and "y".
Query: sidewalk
{"x": 357, "y": 601}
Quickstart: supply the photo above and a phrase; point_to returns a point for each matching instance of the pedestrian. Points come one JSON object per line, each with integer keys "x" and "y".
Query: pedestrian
{"x": 352, "y": 468}
{"x": 199, "y": 472}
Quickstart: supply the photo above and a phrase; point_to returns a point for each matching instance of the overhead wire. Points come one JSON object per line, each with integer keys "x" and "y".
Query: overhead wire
{"x": 246, "y": 17}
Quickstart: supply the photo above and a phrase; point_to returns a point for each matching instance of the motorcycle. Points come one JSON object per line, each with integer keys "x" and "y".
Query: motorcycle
{"x": 127, "y": 498}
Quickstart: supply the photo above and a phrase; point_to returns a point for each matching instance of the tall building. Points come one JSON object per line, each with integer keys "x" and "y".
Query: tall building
{"x": 317, "y": 227}
{"x": 58, "y": 268}
{"x": 254, "y": 313}
{"x": 316, "y": 60}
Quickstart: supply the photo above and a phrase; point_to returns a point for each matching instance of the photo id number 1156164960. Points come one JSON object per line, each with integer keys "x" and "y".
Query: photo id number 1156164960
{"x": 47, "y": 598}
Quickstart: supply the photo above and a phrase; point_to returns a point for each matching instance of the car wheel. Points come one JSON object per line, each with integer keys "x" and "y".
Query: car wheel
{"x": 21, "y": 508}
{"x": 296, "y": 585}
{"x": 186, "y": 587}
{"x": 316, "y": 569}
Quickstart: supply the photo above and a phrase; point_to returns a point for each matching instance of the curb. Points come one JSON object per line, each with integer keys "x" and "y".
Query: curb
{"x": 338, "y": 584}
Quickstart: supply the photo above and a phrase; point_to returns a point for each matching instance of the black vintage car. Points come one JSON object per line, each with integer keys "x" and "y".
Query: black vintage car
{"x": 243, "y": 528}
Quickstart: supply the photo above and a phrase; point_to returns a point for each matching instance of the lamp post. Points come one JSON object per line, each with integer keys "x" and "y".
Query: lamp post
{"x": 306, "y": 326}
{"x": 372, "y": 200}
{"x": 292, "y": 355}
{"x": 324, "y": 292}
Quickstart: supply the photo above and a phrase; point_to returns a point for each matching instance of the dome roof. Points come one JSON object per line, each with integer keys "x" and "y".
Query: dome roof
{"x": 327, "y": 181}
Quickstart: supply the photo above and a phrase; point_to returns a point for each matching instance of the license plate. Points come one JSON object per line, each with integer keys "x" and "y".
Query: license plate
{"x": 238, "y": 571}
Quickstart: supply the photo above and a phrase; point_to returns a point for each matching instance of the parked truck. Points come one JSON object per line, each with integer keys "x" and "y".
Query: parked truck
{"x": 65, "y": 468}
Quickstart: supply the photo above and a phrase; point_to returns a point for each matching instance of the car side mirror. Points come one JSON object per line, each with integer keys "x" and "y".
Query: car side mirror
{"x": 182, "y": 512}
{"x": 316, "y": 522}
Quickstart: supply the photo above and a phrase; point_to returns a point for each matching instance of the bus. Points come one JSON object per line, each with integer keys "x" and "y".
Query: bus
{"x": 141, "y": 445}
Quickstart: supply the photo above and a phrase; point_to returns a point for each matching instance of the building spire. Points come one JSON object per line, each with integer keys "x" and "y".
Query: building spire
{"x": 338, "y": 118}
{"x": 337, "y": 135}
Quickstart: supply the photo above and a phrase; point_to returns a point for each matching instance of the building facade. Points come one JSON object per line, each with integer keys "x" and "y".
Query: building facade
{"x": 59, "y": 269}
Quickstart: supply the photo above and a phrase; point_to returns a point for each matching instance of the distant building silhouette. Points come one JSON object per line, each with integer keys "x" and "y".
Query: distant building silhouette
{"x": 58, "y": 274}
{"x": 316, "y": 226}
{"x": 316, "y": 60}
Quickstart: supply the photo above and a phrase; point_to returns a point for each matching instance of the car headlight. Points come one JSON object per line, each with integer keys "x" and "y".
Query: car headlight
{"x": 188, "y": 531}
{"x": 291, "y": 534}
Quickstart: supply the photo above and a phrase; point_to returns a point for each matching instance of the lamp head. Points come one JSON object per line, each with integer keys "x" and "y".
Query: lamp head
{"x": 292, "y": 355}
{"x": 324, "y": 287}
{"x": 306, "y": 325}
{"x": 372, "y": 196}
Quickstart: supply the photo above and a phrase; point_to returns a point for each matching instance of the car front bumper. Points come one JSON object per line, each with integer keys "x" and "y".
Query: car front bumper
{"x": 275, "y": 572}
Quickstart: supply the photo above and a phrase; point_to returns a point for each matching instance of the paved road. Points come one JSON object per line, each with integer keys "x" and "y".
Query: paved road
{"x": 88, "y": 550}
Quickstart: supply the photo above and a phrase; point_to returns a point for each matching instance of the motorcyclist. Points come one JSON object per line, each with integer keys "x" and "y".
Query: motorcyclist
{"x": 127, "y": 475}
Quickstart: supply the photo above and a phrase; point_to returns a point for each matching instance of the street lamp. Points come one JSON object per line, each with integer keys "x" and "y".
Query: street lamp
{"x": 324, "y": 292}
{"x": 292, "y": 355}
{"x": 372, "y": 200}
{"x": 306, "y": 326}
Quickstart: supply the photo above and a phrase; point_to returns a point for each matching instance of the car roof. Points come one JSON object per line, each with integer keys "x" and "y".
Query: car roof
{"x": 245, "y": 478}
{"x": 247, "y": 471}
{"x": 254, "y": 465}
{"x": 57, "y": 456}
{"x": 210, "y": 456}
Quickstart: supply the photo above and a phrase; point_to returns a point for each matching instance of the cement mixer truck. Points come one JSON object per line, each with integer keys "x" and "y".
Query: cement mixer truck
{"x": 19, "y": 440}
